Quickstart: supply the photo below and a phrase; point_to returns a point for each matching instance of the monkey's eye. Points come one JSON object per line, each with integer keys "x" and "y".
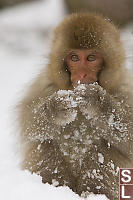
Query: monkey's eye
{"x": 74, "y": 58}
{"x": 91, "y": 58}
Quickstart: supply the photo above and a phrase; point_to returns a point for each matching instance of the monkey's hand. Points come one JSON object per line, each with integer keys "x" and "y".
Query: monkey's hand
{"x": 109, "y": 116}
{"x": 95, "y": 102}
{"x": 62, "y": 107}
{"x": 90, "y": 99}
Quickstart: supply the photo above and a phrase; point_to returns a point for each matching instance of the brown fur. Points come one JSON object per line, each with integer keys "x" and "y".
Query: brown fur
{"x": 45, "y": 119}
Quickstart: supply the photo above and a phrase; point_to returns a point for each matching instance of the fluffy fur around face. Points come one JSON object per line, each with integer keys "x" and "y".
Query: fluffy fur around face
{"x": 87, "y": 31}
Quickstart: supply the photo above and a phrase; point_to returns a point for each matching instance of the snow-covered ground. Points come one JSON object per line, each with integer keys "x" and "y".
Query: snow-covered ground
{"x": 24, "y": 45}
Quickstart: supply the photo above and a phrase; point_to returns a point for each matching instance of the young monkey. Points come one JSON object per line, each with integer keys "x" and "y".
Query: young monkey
{"x": 76, "y": 119}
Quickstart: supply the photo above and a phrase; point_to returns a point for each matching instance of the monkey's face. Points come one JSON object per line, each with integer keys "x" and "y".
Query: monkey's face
{"x": 84, "y": 66}
{"x": 82, "y": 44}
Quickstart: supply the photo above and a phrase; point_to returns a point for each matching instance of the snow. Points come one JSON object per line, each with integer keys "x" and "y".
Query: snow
{"x": 23, "y": 52}
{"x": 100, "y": 158}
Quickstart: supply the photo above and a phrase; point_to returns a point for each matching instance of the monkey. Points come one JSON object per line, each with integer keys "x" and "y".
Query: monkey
{"x": 76, "y": 119}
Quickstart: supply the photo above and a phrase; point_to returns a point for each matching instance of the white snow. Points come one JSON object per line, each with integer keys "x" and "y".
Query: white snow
{"x": 23, "y": 51}
{"x": 100, "y": 158}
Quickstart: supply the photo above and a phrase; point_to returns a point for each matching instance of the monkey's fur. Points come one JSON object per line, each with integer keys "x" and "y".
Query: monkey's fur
{"x": 79, "y": 137}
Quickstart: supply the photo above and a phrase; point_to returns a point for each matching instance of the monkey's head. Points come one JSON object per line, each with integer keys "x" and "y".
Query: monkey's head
{"x": 87, "y": 48}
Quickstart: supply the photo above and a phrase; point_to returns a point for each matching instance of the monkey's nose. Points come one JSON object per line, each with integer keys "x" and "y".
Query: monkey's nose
{"x": 83, "y": 76}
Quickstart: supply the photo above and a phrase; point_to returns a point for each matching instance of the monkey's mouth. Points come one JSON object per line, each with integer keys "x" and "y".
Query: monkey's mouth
{"x": 79, "y": 82}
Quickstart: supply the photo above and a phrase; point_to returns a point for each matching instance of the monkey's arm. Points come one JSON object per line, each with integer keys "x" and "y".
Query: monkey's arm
{"x": 110, "y": 116}
{"x": 42, "y": 117}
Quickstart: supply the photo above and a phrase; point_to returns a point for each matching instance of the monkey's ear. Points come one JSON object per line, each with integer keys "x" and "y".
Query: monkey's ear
{"x": 66, "y": 67}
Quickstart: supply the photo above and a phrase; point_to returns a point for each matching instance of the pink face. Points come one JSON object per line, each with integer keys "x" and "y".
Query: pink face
{"x": 84, "y": 66}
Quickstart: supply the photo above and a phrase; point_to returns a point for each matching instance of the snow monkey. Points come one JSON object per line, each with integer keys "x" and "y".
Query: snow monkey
{"x": 76, "y": 117}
